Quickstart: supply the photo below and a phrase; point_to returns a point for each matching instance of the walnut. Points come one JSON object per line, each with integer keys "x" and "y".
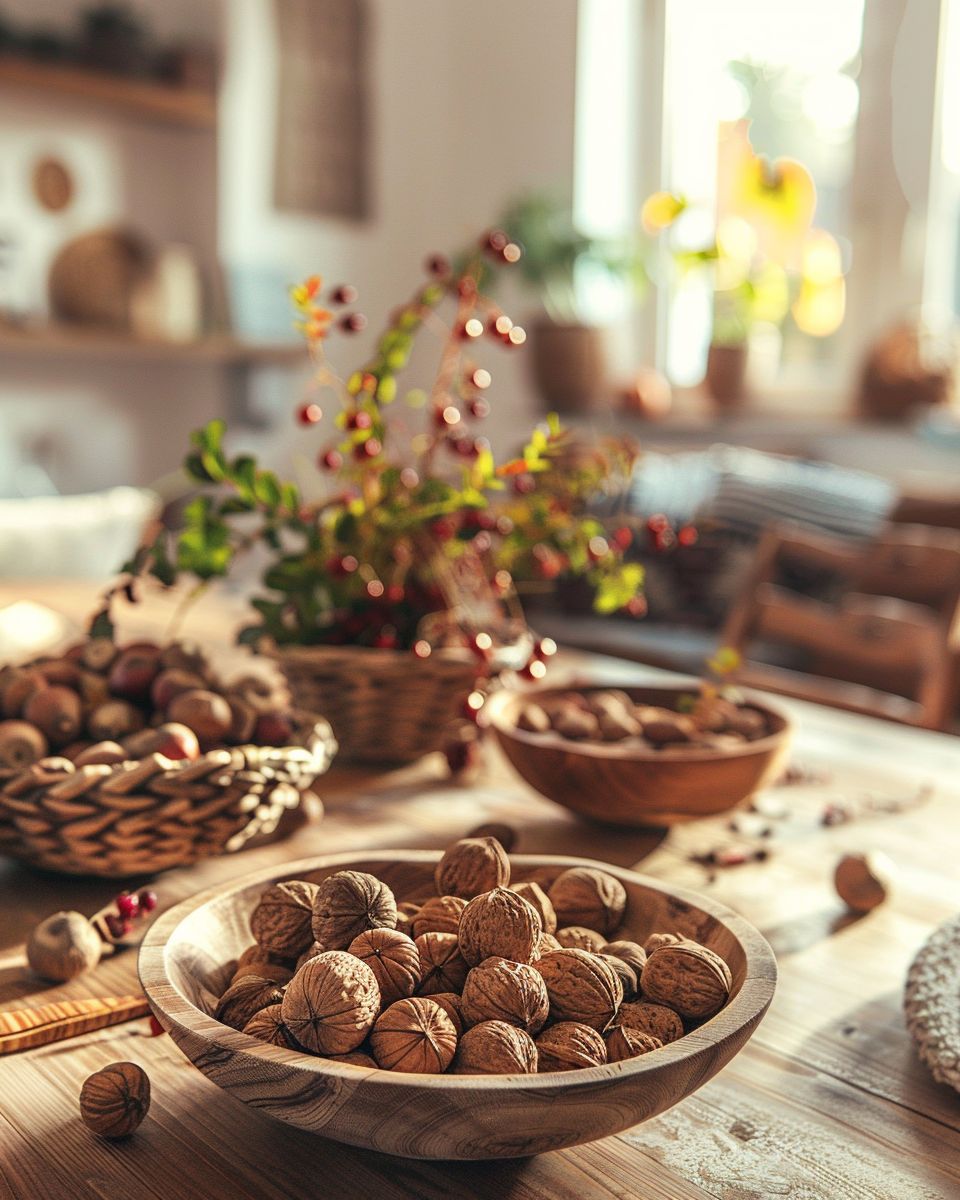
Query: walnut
{"x": 393, "y": 958}
{"x": 575, "y": 724}
{"x": 311, "y": 952}
{"x": 625, "y": 973}
{"x": 669, "y": 729}
{"x": 439, "y": 914}
{"x": 623, "y": 1041}
{"x": 356, "y": 1058}
{"x": 500, "y": 990}
{"x": 348, "y": 903}
{"x": 264, "y": 970}
{"x": 257, "y": 954}
{"x": 547, "y": 943}
{"x": 862, "y": 881}
{"x": 281, "y": 921}
{"x": 505, "y": 834}
{"x": 534, "y": 894}
{"x": 452, "y": 1005}
{"x": 581, "y": 987}
{"x": 632, "y": 954}
{"x": 472, "y": 866}
{"x": 268, "y": 1026}
{"x": 589, "y": 897}
{"x": 496, "y": 1048}
{"x": 499, "y": 924}
{"x": 568, "y": 1046}
{"x": 414, "y": 1035}
{"x": 656, "y": 1019}
{"x": 442, "y": 966}
{"x": 656, "y": 940}
{"x": 533, "y": 719}
{"x": 618, "y": 726}
{"x": 331, "y": 1003}
{"x": 244, "y": 998}
{"x": 114, "y": 1100}
{"x": 405, "y": 914}
{"x": 575, "y": 936}
{"x": 688, "y": 978}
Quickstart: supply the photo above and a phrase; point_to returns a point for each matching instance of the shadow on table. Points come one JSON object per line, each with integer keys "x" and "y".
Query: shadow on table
{"x": 799, "y": 933}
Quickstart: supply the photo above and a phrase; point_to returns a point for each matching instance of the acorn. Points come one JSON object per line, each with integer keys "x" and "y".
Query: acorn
{"x": 114, "y": 720}
{"x": 21, "y": 745}
{"x": 57, "y": 713}
{"x": 206, "y": 713}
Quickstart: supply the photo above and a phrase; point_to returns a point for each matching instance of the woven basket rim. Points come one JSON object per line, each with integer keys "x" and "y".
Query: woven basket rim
{"x": 445, "y": 656}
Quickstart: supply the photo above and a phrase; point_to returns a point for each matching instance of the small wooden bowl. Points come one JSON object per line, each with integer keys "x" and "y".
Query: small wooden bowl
{"x": 185, "y": 962}
{"x": 625, "y": 786}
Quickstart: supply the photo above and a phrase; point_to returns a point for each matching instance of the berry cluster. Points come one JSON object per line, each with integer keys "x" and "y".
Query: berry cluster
{"x": 117, "y": 921}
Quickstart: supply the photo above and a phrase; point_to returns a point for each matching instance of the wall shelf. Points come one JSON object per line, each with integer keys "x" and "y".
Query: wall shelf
{"x": 138, "y": 98}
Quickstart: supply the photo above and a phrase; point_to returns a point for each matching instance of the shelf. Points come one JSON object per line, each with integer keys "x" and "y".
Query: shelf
{"x": 149, "y": 101}
{"x": 62, "y": 341}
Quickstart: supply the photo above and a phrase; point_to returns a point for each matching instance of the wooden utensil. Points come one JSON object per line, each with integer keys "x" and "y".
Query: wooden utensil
{"x": 25, "y": 1028}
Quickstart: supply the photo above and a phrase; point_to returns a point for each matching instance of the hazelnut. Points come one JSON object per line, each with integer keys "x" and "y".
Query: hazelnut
{"x": 472, "y": 866}
{"x": 439, "y": 914}
{"x": 582, "y": 939}
{"x": 570, "y": 1046}
{"x": 533, "y": 719}
{"x": 114, "y": 1100}
{"x": 268, "y": 1026}
{"x": 347, "y": 904}
{"x": 496, "y": 1048}
{"x": 331, "y": 1003}
{"x": 247, "y": 996}
{"x": 393, "y": 958}
{"x": 500, "y": 990}
{"x": 113, "y": 720}
{"x": 688, "y": 978}
{"x": 534, "y": 894}
{"x": 98, "y": 653}
{"x": 452, "y": 1005}
{"x": 414, "y": 1035}
{"x": 612, "y": 701}
{"x": 63, "y": 946}
{"x": 589, "y": 897}
{"x": 863, "y": 880}
{"x": 19, "y": 684}
{"x": 656, "y": 1019}
{"x": 206, "y": 713}
{"x": 133, "y": 672}
{"x": 21, "y": 745}
{"x": 173, "y": 681}
{"x": 281, "y": 922}
{"x": 57, "y": 713}
{"x": 441, "y": 964}
{"x": 617, "y": 727}
{"x": 581, "y": 986}
{"x": 499, "y": 924}
{"x": 623, "y": 1041}
{"x": 624, "y": 972}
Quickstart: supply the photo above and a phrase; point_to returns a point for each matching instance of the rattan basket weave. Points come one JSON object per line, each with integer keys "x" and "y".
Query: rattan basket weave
{"x": 932, "y": 1002}
{"x": 385, "y": 706}
{"x": 146, "y": 816}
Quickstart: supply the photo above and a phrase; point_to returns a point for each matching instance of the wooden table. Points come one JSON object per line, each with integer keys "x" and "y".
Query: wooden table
{"x": 827, "y": 1102}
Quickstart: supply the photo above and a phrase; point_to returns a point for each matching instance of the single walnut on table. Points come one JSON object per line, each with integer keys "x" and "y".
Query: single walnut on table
{"x": 331, "y": 1003}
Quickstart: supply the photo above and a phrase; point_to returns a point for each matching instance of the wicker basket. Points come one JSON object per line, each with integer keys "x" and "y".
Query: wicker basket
{"x": 385, "y": 706}
{"x": 141, "y": 817}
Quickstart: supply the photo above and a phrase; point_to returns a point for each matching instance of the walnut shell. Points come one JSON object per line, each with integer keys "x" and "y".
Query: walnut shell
{"x": 281, "y": 922}
{"x": 534, "y": 894}
{"x": 356, "y": 1058}
{"x": 533, "y": 719}
{"x": 442, "y": 966}
{"x": 472, "y": 866}
{"x": 688, "y": 978}
{"x": 257, "y": 954}
{"x": 656, "y": 940}
{"x": 414, "y": 1035}
{"x": 625, "y": 973}
{"x": 114, "y": 1100}
{"x": 589, "y": 897}
{"x": 246, "y": 997}
{"x": 331, "y": 1003}
{"x": 268, "y": 1026}
{"x": 547, "y": 943}
{"x": 439, "y": 914}
{"x": 264, "y": 970}
{"x": 500, "y": 990}
{"x": 623, "y": 1041}
{"x": 656, "y": 1019}
{"x": 393, "y": 958}
{"x": 496, "y": 1048}
{"x": 405, "y": 914}
{"x": 581, "y": 986}
{"x": 311, "y": 952}
{"x": 577, "y": 937}
{"x": 632, "y": 954}
{"x": 452, "y": 1005}
{"x": 499, "y": 924}
{"x": 348, "y": 903}
{"x": 570, "y": 1046}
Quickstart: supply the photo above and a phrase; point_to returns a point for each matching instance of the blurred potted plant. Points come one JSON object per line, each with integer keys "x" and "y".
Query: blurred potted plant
{"x": 568, "y": 354}
{"x": 767, "y": 262}
{"x": 388, "y": 587}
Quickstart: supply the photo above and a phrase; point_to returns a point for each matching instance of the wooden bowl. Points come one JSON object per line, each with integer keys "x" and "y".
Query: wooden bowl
{"x": 185, "y": 961}
{"x": 625, "y": 786}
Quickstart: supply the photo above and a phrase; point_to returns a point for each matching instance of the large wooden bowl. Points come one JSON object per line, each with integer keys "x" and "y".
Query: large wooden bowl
{"x": 185, "y": 963}
{"x": 623, "y": 786}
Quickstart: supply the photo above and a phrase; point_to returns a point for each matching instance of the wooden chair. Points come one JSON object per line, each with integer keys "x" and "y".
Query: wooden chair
{"x": 888, "y": 645}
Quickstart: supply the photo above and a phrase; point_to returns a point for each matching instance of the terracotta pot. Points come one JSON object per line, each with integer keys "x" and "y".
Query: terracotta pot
{"x": 569, "y": 365}
{"x": 725, "y": 379}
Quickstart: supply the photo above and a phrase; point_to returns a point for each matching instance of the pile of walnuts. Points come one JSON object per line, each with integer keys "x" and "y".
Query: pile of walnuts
{"x": 611, "y": 716}
{"x": 484, "y": 978}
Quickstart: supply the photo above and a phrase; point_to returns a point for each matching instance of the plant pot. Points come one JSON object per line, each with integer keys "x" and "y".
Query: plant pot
{"x": 725, "y": 379}
{"x": 569, "y": 364}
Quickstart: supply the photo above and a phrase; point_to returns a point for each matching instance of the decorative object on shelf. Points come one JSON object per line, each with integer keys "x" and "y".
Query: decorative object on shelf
{"x": 931, "y": 1002}
{"x": 88, "y": 787}
{"x": 391, "y": 590}
{"x": 907, "y": 371}
{"x": 716, "y": 966}
{"x": 95, "y": 277}
{"x": 53, "y": 184}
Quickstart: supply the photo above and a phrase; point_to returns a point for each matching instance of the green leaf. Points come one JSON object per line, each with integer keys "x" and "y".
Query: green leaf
{"x": 102, "y": 626}
{"x": 267, "y": 489}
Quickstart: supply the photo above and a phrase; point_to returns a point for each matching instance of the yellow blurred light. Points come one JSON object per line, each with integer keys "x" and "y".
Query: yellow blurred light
{"x": 736, "y": 239}
{"x": 512, "y": 252}
{"x": 771, "y": 294}
{"x": 822, "y": 261}
{"x": 819, "y": 308}
{"x": 660, "y": 211}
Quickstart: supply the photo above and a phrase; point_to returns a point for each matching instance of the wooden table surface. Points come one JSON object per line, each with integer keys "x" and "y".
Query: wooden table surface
{"x": 827, "y": 1102}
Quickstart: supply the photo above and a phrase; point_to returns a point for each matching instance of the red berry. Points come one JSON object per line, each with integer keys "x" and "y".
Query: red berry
{"x": 331, "y": 460}
{"x": 117, "y": 926}
{"x": 478, "y": 408}
{"x": 466, "y": 447}
{"x": 309, "y": 414}
{"x": 623, "y": 537}
{"x": 148, "y": 900}
{"x": 461, "y": 755}
{"x": 342, "y": 565}
{"x": 346, "y": 293}
{"x": 128, "y": 906}
{"x": 523, "y": 485}
{"x": 368, "y": 449}
{"x": 443, "y": 529}
{"x": 156, "y": 1029}
{"x": 353, "y": 323}
{"x": 636, "y": 607}
{"x": 496, "y": 240}
{"x": 385, "y": 641}
{"x": 688, "y": 535}
{"x": 359, "y": 420}
{"x": 395, "y": 593}
{"x": 438, "y": 264}
{"x": 657, "y": 522}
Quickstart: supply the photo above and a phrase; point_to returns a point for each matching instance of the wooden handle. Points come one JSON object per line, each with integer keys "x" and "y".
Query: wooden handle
{"x": 24, "y": 1028}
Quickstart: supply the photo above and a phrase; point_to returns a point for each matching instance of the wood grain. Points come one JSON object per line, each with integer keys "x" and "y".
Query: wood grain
{"x": 22, "y": 1029}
